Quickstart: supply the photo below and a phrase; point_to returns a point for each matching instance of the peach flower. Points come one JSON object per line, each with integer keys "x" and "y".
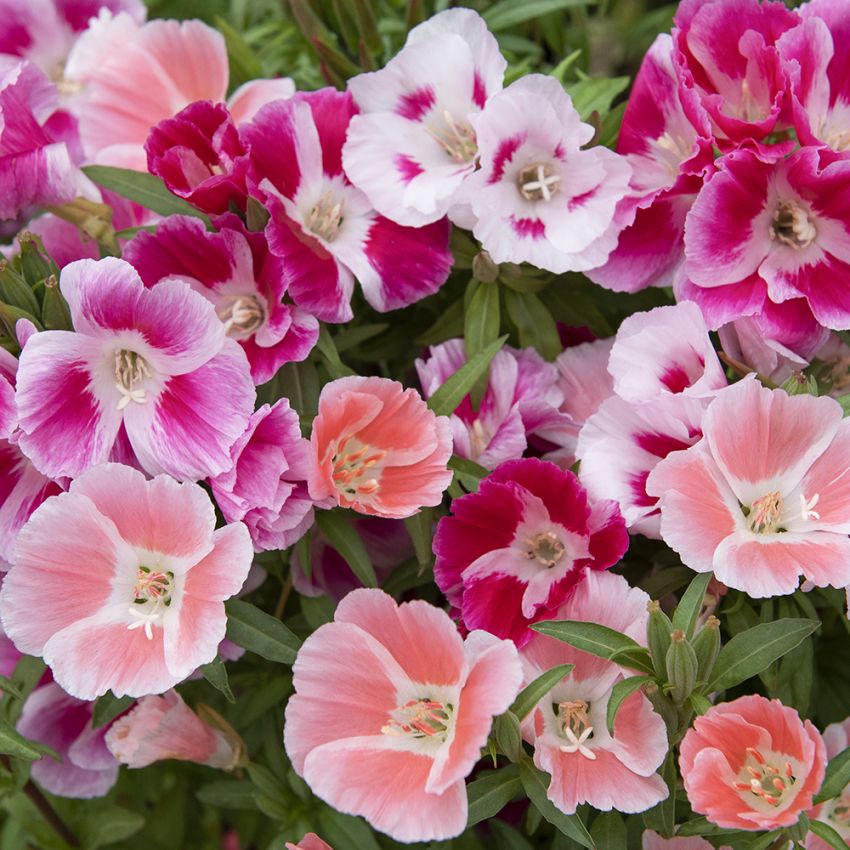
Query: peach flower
{"x": 310, "y": 841}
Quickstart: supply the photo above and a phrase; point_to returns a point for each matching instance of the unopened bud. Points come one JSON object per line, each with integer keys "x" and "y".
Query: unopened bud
{"x": 707, "y": 647}
{"x": 800, "y": 384}
{"x": 658, "y": 630}
{"x": 681, "y": 663}
{"x": 484, "y": 269}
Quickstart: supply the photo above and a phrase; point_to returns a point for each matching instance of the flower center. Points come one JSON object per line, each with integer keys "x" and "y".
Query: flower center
{"x": 457, "y": 141}
{"x": 574, "y": 725}
{"x": 325, "y": 218}
{"x": 420, "y": 718}
{"x": 242, "y": 315}
{"x": 130, "y": 369}
{"x": 545, "y": 547}
{"x": 151, "y": 596}
{"x": 792, "y": 226}
{"x": 538, "y": 182}
{"x": 353, "y": 471}
{"x": 764, "y": 513}
{"x": 767, "y": 782}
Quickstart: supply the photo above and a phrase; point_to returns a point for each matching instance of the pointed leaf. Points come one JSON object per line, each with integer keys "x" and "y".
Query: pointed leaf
{"x": 826, "y": 833}
{"x": 420, "y": 527}
{"x": 508, "y": 13}
{"x": 536, "y": 783}
{"x": 531, "y": 694}
{"x": 687, "y": 611}
{"x": 597, "y": 640}
{"x": 12, "y": 743}
{"x": 837, "y": 777}
{"x": 216, "y": 674}
{"x": 108, "y": 707}
{"x": 620, "y": 693}
{"x": 343, "y": 537}
{"x": 446, "y": 399}
{"x": 537, "y": 328}
{"x": 258, "y": 632}
{"x": 492, "y": 792}
{"x": 609, "y": 831}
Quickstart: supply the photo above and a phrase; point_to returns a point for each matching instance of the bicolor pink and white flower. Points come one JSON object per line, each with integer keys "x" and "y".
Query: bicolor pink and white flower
{"x": 745, "y": 342}
{"x": 834, "y": 812}
{"x": 537, "y": 196}
{"x": 148, "y": 367}
{"x": 752, "y": 764}
{"x": 378, "y": 449}
{"x": 424, "y": 698}
{"x": 324, "y": 229}
{"x": 514, "y": 551}
{"x": 653, "y": 841}
{"x": 765, "y": 496}
{"x": 413, "y": 144}
{"x": 568, "y": 727}
{"x": 149, "y": 607}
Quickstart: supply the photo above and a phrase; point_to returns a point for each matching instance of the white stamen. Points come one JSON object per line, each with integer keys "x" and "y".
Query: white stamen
{"x": 145, "y": 619}
{"x": 130, "y": 369}
{"x": 806, "y": 511}
{"x": 576, "y": 744}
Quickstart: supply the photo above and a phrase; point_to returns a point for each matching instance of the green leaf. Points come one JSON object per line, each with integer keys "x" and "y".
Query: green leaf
{"x": 108, "y": 707}
{"x": 597, "y": 640}
{"x": 420, "y": 527}
{"x": 535, "y": 783}
{"x": 468, "y": 467}
{"x": 508, "y": 13}
{"x": 244, "y": 64}
{"x": 481, "y": 323}
{"x": 446, "y": 399}
{"x": 12, "y": 743}
{"x": 620, "y": 693}
{"x": 146, "y": 190}
{"x": 837, "y": 777}
{"x": 228, "y": 794}
{"x": 766, "y": 839}
{"x": 752, "y": 651}
{"x": 662, "y": 817}
{"x": 492, "y": 792}
{"x": 507, "y": 735}
{"x": 345, "y": 539}
{"x": 596, "y": 94}
{"x": 507, "y": 837}
{"x": 687, "y": 611}
{"x": 531, "y": 694}
{"x": 216, "y": 674}
{"x": 258, "y": 632}
{"x": 330, "y": 355}
{"x": 7, "y": 686}
{"x": 109, "y": 825}
{"x": 534, "y": 322}
{"x": 826, "y": 833}
{"x": 344, "y": 832}
{"x": 609, "y": 831}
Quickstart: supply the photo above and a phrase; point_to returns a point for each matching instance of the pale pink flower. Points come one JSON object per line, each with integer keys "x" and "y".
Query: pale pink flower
{"x": 653, "y": 841}
{"x": 752, "y": 764}
{"x": 149, "y": 608}
{"x": 833, "y": 812}
{"x": 744, "y": 341}
{"x": 419, "y": 707}
{"x": 310, "y": 841}
{"x": 765, "y": 496}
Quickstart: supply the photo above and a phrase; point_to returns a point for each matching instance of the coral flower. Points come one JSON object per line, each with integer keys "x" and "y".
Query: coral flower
{"x": 419, "y": 707}
{"x": 752, "y": 764}
{"x": 653, "y": 841}
{"x": 833, "y": 812}
{"x": 310, "y": 841}
{"x": 149, "y": 607}
{"x": 377, "y": 448}
{"x": 765, "y": 496}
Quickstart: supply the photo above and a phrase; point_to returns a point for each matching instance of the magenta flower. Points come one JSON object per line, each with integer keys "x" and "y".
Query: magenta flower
{"x": 156, "y": 362}
{"x": 424, "y": 711}
{"x": 150, "y": 608}
{"x": 324, "y": 229}
{"x": 515, "y": 550}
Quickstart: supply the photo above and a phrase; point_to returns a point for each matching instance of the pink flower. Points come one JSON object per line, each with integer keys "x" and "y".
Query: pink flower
{"x": 149, "y": 608}
{"x": 234, "y": 270}
{"x": 164, "y": 727}
{"x": 752, "y": 764}
{"x": 568, "y": 726}
{"x": 516, "y": 549}
{"x": 419, "y": 707}
{"x": 266, "y": 486}
{"x": 764, "y": 496}
{"x": 653, "y": 841}
{"x": 152, "y": 367}
{"x": 326, "y": 230}
{"x": 836, "y": 738}
{"x": 377, "y": 448}
{"x": 413, "y": 145}
{"x": 745, "y": 341}
{"x": 86, "y": 768}
{"x": 310, "y": 841}
{"x": 537, "y": 196}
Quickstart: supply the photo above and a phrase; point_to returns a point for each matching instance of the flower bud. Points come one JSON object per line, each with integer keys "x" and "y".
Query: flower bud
{"x": 484, "y": 269}
{"x": 658, "y": 636}
{"x": 706, "y": 647}
{"x": 681, "y": 667}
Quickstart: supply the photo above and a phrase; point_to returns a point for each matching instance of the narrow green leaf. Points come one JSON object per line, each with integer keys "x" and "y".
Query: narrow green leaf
{"x": 596, "y": 94}
{"x": 327, "y": 349}
{"x": 507, "y": 837}
{"x": 687, "y": 611}
{"x": 534, "y": 322}
{"x": 531, "y": 694}
{"x": 492, "y": 792}
{"x": 609, "y": 831}
{"x": 765, "y": 840}
{"x": 508, "y": 13}
{"x": 837, "y": 777}
{"x": 826, "y": 833}
{"x": 446, "y": 399}
{"x": 228, "y": 794}
{"x": 14, "y": 744}
{"x": 108, "y": 707}
{"x": 216, "y": 674}
{"x": 620, "y": 693}
{"x": 636, "y": 659}
{"x": 420, "y": 527}
{"x": 244, "y": 64}
{"x": 535, "y": 783}
{"x": 108, "y": 824}
{"x": 258, "y": 632}
{"x": 347, "y": 542}
{"x": 598, "y": 640}
{"x": 467, "y": 467}
{"x": 481, "y": 323}
{"x": 7, "y": 686}
{"x": 346, "y": 832}
{"x": 15, "y": 290}
{"x": 507, "y": 735}
{"x": 662, "y": 817}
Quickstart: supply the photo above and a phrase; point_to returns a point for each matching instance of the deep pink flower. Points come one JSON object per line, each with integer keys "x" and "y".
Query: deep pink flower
{"x": 310, "y": 841}
{"x": 235, "y": 271}
{"x": 836, "y": 738}
{"x": 752, "y": 764}
{"x": 155, "y": 361}
{"x": 420, "y": 703}
{"x": 149, "y": 608}
{"x": 515, "y": 550}
{"x": 326, "y": 230}
{"x": 764, "y": 496}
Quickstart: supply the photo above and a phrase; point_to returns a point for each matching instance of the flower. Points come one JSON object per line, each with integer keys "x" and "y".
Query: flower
{"x": 155, "y": 361}
{"x": 419, "y": 703}
{"x": 752, "y": 764}
{"x": 310, "y": 841}
{"x": 765, "y": 495}
{"x": 653, "y": 841}
{"x": 149, "y": 607}
{"x": 164, "y": 727}
{"x": 836, "y": 738}
{"x": 323, "y": 228}
{"x": 568, "y": 726}
{"x": 537, "y": 196}
{"x": 515, "y": 550}
{"x": 376, "y": 448}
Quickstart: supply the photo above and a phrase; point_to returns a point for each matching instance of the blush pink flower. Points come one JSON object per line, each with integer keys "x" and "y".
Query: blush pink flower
{"x": 568, "y": 726}
{"x": 764, "y": 497}
{"x": 164, "y": 727}
{"x": 653, "y": 841}
{"x": 378, "y": 449}
{"x": 515, "y": 550}
{"x": 310, "y": 841}
{"x": 836, "y": 738}
{"x": 745, "y": 341}
{"x": 752, "y": 764}
{"x": 420, "y": 707}
{"x": 149, "y": 608}
{"x": 151, "y": 368}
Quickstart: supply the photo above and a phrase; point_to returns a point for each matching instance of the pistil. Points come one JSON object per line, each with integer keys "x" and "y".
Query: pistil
{"x": 151, "y": 596}
{"x": 325, "y": 218}
{"x": 538, "y": 182}
{"x": 574, "y": 725}
{"x": 354, "y": 470}
{"x": 545, "y": 547}
{"x": 131, "y": 369}
{"x": 242, "y": 315}
{"x": 791, "y": 226}
{"x": 767, "y": 782}
{"x": 457, "y": 141}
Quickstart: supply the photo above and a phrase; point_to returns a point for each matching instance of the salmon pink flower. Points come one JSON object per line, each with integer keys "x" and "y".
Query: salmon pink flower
{"x": 419, "y": 703}
{"x": 653, "y": 841}
{"x": 150, "y": 608}
{"x": 515, "y": 550}
{"x": 310, "y": 841}
{"x": 752, "y": 764}
{"x": 835, "y": 812}
{"x": 378, "y": 449}
{"x": 765, "y": 495}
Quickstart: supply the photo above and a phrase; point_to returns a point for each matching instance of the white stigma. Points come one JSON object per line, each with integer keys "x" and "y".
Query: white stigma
{"x": 806, "y": 512}
{"x": 576, "y": 744}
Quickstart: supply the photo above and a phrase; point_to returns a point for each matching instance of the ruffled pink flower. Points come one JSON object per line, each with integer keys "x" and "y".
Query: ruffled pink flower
{"x": 744, "y": 341}
{"x": 310, "y": 841}
{"x": 326, "y": 230}
{"x": 537, "y": 196}
{"x": 836, "y": 738}
{"x": 378, "y": 449}
{"x": 568, "y": 726}
{"x": 266, "y": 487}
{"x": 152, "y": 367}
{"x": 752, "y": 764}
{"x": 86, "y": 768}
{"x": 515, "y": 550}
{"x": 420, "y": 702}
{"x": 149, "y": 608}
{"x": 764, "y": 497}
{"x": 413, "y": 144}
{"x": 234, "y": 270}
{"x": 164, "y": 727}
